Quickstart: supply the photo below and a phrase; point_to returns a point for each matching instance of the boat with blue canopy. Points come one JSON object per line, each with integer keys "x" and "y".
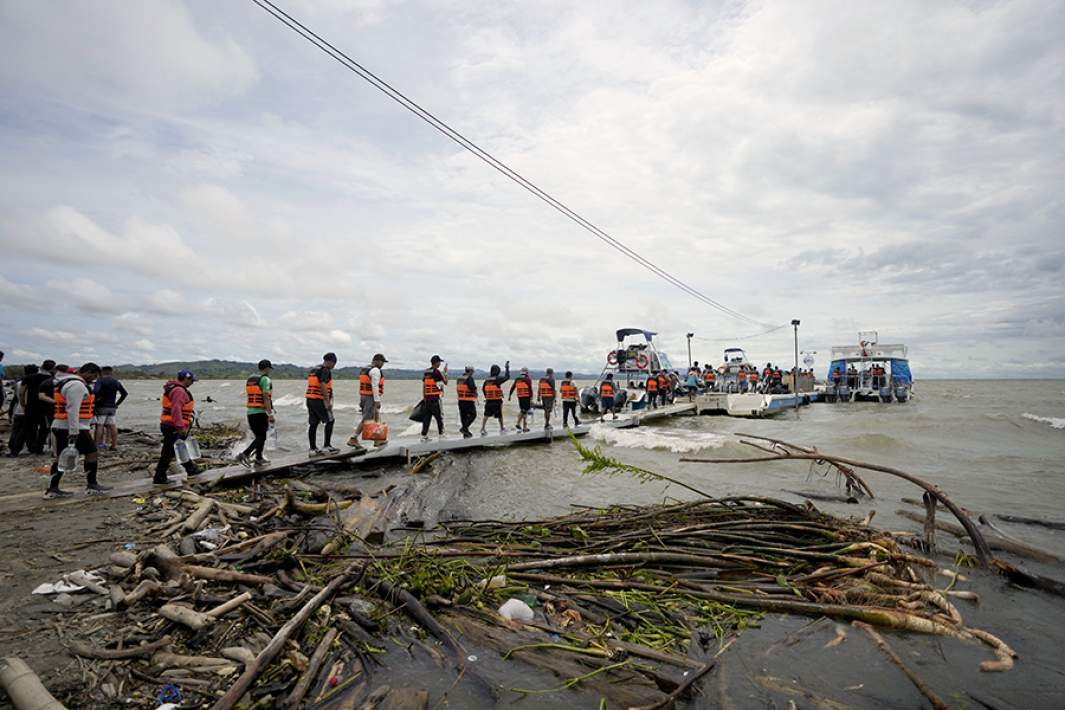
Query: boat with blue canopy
{"x": 870, "y": 371}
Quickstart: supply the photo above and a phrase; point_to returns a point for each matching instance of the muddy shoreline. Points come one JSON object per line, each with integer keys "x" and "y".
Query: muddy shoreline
{"x": 785, "y": 659}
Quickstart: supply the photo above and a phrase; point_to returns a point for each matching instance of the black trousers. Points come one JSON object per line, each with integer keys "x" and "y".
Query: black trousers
{"x": 85, "y": 445}
{"x": 259, "y": 423}
{"x": 432, "y": 411}
{"x": 18, "y": 435}
{"x": 569, "y": 407}
{"x": 32, "y": 434}
{"x": 467, "y": 415}
{"x": 166, "y": 456}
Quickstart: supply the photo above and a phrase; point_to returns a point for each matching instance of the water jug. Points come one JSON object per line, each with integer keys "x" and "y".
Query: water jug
{"x": 271, "y": 438}
{"x": 68, "y": 459}
{"x": 181, "y": 451}
{"x": 194, "y": 448}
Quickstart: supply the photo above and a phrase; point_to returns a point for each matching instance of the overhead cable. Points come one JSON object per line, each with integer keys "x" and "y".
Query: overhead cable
{"x": 489, "y": 159}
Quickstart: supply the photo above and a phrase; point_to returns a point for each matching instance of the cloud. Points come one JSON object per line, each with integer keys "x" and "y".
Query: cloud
{"x": 339, "y": 337}
{"x": 88, "y": 295}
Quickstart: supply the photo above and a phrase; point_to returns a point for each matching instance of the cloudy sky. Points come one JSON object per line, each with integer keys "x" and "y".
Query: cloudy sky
{"x": 186, "y": 180}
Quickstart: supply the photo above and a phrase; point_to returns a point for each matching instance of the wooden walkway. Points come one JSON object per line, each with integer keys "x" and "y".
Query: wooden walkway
{"x": 401, "y": 448}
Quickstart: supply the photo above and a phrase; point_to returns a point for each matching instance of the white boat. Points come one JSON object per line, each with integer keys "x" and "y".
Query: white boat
{"x": 870, "y": 371}
{"x": 631, "y": 362}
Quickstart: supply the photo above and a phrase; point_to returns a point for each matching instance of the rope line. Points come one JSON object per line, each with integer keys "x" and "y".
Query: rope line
{"x": 488, "y": 158}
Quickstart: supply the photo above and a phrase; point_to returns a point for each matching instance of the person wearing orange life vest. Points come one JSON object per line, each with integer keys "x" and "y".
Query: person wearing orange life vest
{"x": 752, "y": 379}
{"x": 709, "y": 378}
{"x": 878, "y": 375}
{"x": 433, "y": 380}
{"x": 493, "y": 397}
{"x": 466, "y": 394}
{"x": 652, "y": 390}
{"x": 72, "y": 425}
{"x": 179, "y": 410}
{"x": 673, "y": 382}
{"x": 523, "y": 385}
{"x": 607, "y": 390}
{"x": 545, "y": 394}
{"x": 371, "y": 389}
{"x": 319, "y": 400}
{"x": 259, "y": 406}
{"x": 568, "y": 391}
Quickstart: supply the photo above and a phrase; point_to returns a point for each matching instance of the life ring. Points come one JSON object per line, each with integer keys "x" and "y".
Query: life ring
{"x": 612, "y": 357}
{"x": 642, "y": 361}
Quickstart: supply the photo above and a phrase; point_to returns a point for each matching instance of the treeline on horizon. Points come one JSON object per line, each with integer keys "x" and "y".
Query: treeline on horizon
{"x": 235, "y": 370}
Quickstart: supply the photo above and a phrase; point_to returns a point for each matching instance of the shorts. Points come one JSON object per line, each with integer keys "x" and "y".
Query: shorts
{"x": 524, "y": 404}
{"x": 84, "y": 442}
{"x": 606, "y": 404}
{"x": 106, "y": 415}
{"x": 317, "y": 413}
{"x": 367, "y": 407}
{"x": 493, "y": 407}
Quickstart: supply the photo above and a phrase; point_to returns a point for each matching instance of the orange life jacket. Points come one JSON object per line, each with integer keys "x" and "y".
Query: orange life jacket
{"x": 753, "y": 377}
{"x": 314, "y": 386}
{"x": 366, "y": 384}
{"x": 523, "y": 388}
{"x": 709, "y": 377}
{"x": 256, "y": 398}
{"x": 742, "y": 376}
{"x": 187, "y": 409}
{"x": 546, "y": 390}
{"x": 465, "y": 392}
{"x": 492, "y": 390}
{"x": 569, "y": 391}
{"x": 652, "y": 385}
{"x": 663, "y": 382}
{"x": 430, "y": 390}
{"x": 837, "y": 375}
{"x": 606, "y": 389}
{"x": 84, "y": 411}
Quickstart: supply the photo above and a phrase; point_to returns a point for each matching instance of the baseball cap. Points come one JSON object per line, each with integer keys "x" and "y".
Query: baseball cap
{"x": 186, "y": 374}
{"x": 380, "y": 357}
{"x": 436, "y": 358}
{"x": 263, "y": 364}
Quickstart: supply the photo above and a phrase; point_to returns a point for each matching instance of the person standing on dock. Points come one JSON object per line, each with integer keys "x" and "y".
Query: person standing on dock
{"x": 524, "y": 387}
{"x": 663, "y": 387}
{"x": 466, "y": 393}
{"x": 179, "y": 409}
{"x": 569, "y": 393}
{"x": 260, "y": 411}
{"x": 546, "y": 395}
{"x": 606, "y": 396}
{"x": 709, "y": 379}
{"x": 433, "y": 380}
{"x": 493, "y": 397}
{"x": 691, "y": 384}
{"x": 752, "y": 379}
{"x": 320, "y": 405}
{"x": 72, "y": 426}
{"x": 652, "y": 390}
{"x": 371, "y": 389}
{"x": 109, "y": 394}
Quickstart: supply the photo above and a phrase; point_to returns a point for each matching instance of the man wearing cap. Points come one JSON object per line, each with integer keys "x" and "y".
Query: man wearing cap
{"x": 466, "y": 393}
{"x": 72, "y": 426}
{"x": 260, "y": 410}
{"x": 179, "y": 409}
{"x": 371, "y": 388}
{"x": 433, "y": 380}
{"x": 320, "y": 405}
{"x": 524, "y": 387}
{"x": 493, "y": 397}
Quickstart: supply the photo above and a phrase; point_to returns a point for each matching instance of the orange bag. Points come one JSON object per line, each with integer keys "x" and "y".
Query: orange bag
{"x": 375, "y": 431}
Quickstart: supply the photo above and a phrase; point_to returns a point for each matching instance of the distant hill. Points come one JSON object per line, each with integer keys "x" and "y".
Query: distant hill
{"x": 234, "y": 370}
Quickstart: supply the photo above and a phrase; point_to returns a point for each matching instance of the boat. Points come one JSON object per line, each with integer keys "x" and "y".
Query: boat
{"x": 871, "y": 371}
{"x": 631, "y": 362}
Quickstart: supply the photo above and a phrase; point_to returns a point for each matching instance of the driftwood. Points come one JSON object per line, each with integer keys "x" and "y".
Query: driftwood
{"x": 229, "y": 605}
{"x": 114, "y": 654}
{"x": 881, "y": 642}
{"x": 24, "y": 688}
{"x": 1027, "y": 579}
{"x": 308, "y": 676}
{"x": 184, "y": 615}
{"x": 304, "y": 508}
{"x": 425, "y": 461}
{"x": 252, "y": 671}
{"x": 194, "y": 521}
{"x": 1052, "y": 524}
{"x": 995, "y": 542}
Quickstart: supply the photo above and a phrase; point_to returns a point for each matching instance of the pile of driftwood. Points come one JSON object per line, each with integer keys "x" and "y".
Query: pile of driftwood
{"x": 271, "y": 595}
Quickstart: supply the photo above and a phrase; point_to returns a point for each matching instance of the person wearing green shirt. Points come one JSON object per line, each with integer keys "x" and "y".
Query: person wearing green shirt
{"x": 260, "y": 406}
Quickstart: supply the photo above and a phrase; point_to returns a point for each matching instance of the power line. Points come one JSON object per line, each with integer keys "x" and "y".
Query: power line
{"x": 741, "y": 337}
{"x": 488, "y": 158}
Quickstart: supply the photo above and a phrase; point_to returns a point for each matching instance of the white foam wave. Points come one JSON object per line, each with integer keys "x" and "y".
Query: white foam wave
{"x": 393, "y": 409}
{"x": 288, "y": 400}
{"x": 1054, "y": 422}
{"x": 679, "y": 442}
{"x": 225, "y": 384}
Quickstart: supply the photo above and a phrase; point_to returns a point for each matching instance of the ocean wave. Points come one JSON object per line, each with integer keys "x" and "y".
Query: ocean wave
{"x": 225, "y": 384}
{"x": 653, "y": 438}
{"x": 288, "y": 400}
{"x": 1054, "y": 422}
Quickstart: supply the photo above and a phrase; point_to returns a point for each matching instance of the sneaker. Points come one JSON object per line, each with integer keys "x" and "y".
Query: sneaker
{"x": 166, "y": 480}
{"x": 96, "y": 490}
{"x": 484, "y": 433}
{"x": 193, "y": 470}
{"x": 467, "y": 435}
{"x": 525, "y": 430}
{"x": 354, "y": 442}
{"x": 242, "y": 459}
{"x": 262, "y": 461}
{"x": 331, "y": 450}
{"x": 56, "y": 493}
{"x": 426, "y": 438}
{"x": 102, "y": 446}
{"x": 315, "y": 452}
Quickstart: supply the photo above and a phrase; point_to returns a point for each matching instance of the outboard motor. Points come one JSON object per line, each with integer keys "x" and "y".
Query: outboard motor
{"x": 844, "y": 394}
{"x": 901, "y": 393}
{"x": 885, "y": 394}
{"x": 590, "y": 399}
{"x": 620, "y": 399}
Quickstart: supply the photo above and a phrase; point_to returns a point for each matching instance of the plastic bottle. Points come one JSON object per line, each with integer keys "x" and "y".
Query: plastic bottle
{"x": 271, "y": 438}
{"x": 194, "y": 447}
{"x": 68, "y": 459}
{"x": 181, "y": 451}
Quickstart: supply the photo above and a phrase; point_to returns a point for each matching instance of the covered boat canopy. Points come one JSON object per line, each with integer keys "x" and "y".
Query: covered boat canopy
{"x": 625, "y": 332}
{"x": 869, "y": 351}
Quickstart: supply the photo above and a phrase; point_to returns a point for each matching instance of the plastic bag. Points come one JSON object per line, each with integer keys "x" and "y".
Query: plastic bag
{"x": 375, "y": 431}
{"x": 418, "y": 414}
